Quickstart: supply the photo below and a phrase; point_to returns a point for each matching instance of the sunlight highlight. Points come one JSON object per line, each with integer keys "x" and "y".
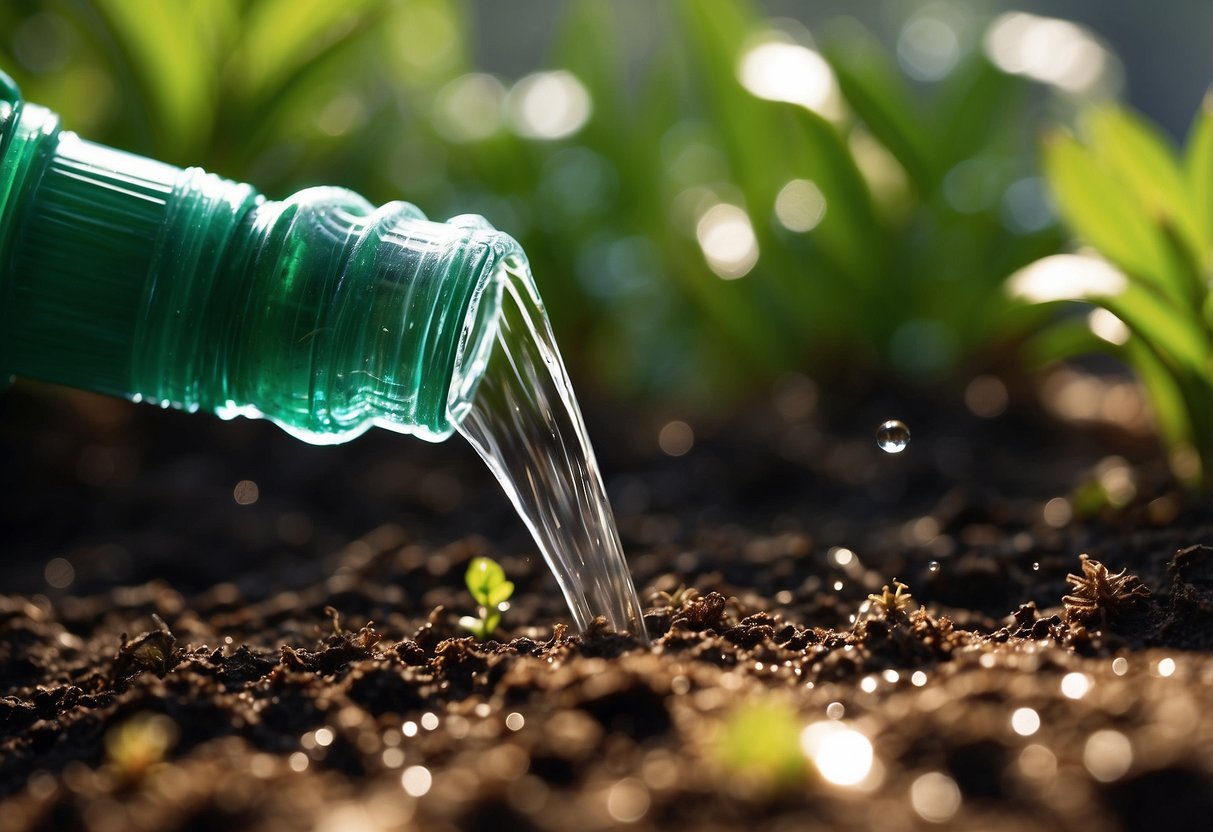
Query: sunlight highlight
{"x": 842, "y": 755}
{"x": 1103, "y": 324}
{"x": 549, "y": 105}
{"x": 727, "y": 239}
{"x": 928, "y": 48}
{"x": 1108, "y": 755}
{"x": 781, "y": 71}
{"x": 1049, "y": 50}
{"x": 469, "y": 108}
{"x": 1075, "y": 685}
{"x": 1025, "y": 722}
{"x": 1066, "y": 277}
{"x": 416, "y": 780}
{"x": 800, "y": 205}
{"x": 935, "y": 797}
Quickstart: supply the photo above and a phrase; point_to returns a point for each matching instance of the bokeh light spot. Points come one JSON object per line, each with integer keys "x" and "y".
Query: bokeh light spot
{"x": 800, "y": 205}
{"x": 727, "y": 239}
{"x": 549, "y": 105}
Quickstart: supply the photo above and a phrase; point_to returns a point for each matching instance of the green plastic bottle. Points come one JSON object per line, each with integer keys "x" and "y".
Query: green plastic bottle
{"x": 320, "y": 312}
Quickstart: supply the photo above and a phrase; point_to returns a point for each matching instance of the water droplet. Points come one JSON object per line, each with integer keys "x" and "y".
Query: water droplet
{"x": 933, "y": 566}
{"x": 1036, "y": 566}
{"x": 893, "y": 436}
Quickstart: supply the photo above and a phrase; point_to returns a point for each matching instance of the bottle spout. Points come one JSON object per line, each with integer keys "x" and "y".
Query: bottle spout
{"x": 354, "y": 316}
{"x": 441, "y": 287}
{"x": 495, "y": 255}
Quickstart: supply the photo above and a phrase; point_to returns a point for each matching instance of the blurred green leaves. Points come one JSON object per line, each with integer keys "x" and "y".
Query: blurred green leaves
{"x": 897, "y": 269}
{"x": 1126, "y": 192}
{"x": 164, "y": 49}
{"x": 694, "y": 238}
{"x": 241, "y": 87}
{"x": 899, "y": 277}
{"x": 881, "y": 99}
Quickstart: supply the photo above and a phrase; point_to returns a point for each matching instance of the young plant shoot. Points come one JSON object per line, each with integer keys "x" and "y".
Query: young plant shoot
{"x": 486, "y": 582}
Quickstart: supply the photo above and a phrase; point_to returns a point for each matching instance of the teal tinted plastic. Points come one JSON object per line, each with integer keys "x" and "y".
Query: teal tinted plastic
{"x": 327, "y": 315}
{"x": 341, "y": 316}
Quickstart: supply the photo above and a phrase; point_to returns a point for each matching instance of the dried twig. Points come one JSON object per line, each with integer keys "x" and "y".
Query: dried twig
{"x": 1099, "y": 592}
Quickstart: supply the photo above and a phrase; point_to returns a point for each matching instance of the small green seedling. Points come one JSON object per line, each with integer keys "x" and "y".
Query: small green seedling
{"x": 139, "y": 744}
{"x": 486, "y": 581}
{"x": 759, "y": 743}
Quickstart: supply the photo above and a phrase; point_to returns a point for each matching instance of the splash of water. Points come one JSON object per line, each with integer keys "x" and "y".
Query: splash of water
{"x": 525, "y": 424}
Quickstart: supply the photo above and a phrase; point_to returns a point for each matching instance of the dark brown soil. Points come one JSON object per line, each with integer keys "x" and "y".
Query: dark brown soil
{"x": 294, "y": 662}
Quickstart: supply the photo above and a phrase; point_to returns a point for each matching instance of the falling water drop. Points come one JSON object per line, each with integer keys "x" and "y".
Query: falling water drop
{"x": 893, "y": 436}
{"x": 933, "y": 566}
{"x": 1035, "y": 566}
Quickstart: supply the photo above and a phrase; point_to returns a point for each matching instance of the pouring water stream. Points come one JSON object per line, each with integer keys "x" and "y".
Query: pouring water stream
{"x": 525, "y": 423}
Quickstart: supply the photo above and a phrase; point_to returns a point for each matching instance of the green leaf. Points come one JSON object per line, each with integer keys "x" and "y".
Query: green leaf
{"x": 490, "y": 624}
{"x": 590, "y": 47}
{"x": 978, "y": 102}
{"x": 874, "y": 90}
{"x": 1144, "y": 162}
{"x": 484, "y": 575}
{"x": 851, "y": 225}
{"x": 169, "y": 49}
{"x": 752, "y": 135}
{"x": 499, "y": 594}
{"x": 1199, "y": 169}
{"x": 1179, "y": 337}
{"x": 1180, "y": 263}
{"x": 1101, "y": 211}
{"x": 1165, "y": 393}
{"x": 281, "y": 36}
{"x": 1064, "y": 339}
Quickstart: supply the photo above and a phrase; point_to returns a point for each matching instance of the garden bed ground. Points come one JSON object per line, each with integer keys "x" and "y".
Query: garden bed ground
{"x": 220, "y": 655}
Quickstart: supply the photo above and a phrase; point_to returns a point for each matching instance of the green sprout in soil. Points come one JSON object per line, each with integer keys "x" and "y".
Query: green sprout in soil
{"x": 1148, "y": 212}
{"x": 138, "y": 744}
{"x": 486, "y": 582}
{"x": 676, "y": 599}
{"x": 760, "y": 744}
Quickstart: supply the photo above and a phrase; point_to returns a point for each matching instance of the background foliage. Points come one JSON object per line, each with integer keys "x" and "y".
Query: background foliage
{"x": 1148, "y": 212}
{"x": 703, "y": 229}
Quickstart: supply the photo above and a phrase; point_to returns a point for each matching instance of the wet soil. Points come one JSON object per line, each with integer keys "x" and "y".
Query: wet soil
{"x": 211, "y": 626}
